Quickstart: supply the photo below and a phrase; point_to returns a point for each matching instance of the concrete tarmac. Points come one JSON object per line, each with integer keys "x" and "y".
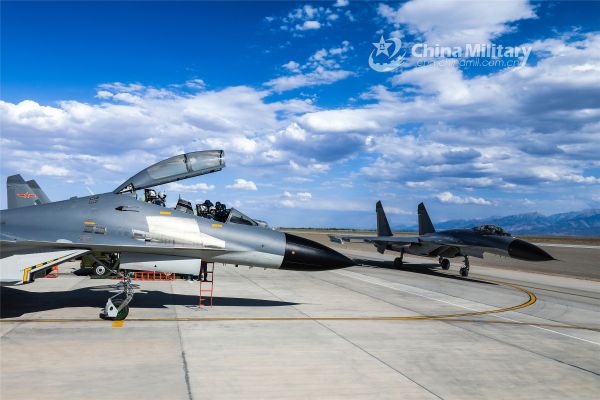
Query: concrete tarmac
{"x": 364, "y": 332}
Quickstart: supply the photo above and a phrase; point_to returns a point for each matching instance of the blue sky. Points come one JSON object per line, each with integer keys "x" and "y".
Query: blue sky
{"x": 93, "y": 92}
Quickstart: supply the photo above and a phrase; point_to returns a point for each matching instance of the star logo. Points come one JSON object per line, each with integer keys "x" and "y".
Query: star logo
{"x": 382, "y": 47}
{"x": 27, "y": 195}
{"x": 393, "y": 61}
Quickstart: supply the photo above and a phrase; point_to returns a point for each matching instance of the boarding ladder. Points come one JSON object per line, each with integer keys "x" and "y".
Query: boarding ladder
{"x": 206, "y": 288}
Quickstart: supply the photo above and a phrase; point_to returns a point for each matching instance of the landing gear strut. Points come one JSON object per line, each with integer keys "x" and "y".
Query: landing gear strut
{"x": 117, "y": 306}
{"x": 464, "y": 271}
{"x": 398, "y": 261}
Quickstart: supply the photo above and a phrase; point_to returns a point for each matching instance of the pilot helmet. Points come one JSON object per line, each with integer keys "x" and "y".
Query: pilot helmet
{"x": 162, "y": 195}
{"x": 208, "y": 204}
{"x": 150, "y": 194}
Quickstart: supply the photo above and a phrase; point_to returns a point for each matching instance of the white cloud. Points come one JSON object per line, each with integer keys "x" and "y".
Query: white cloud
{"x": 308, "y": 25}
{"x": 319, "y": 76}
{"x": 322, "y": 68}
{"x": 242, "y": 184}
{"x": 292, "y": 66}
{"x": 197, "y": 187}
{"x": 453, "y": 23}
{"x": 447, "y": 197}
{"x": 294, "y": 200}
{"x": 297, "y": 179}
{"x": 50, "y": 170}
{"x": 309, "y": 18}
{"x": 304, "y": 196}
{"x": 197, "y": 84}
{"x": 341, "y": 3}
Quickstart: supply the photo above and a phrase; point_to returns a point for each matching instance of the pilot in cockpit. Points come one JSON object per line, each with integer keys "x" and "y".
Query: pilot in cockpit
{"x": 162, "y": 199}
{"x": 151, "y": 197}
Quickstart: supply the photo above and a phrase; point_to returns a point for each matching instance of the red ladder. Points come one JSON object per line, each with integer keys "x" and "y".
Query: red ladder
{"x": 210, "y": 283}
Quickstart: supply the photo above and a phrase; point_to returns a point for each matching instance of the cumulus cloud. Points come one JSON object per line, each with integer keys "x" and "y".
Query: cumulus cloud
{"x": 322, "y": 68}
{"x": 242, "y": 184}
{"x": 309, "y": 17}
{"x": 294, "y": 200}
{"x": 453, "y": 23}
{"x": 308, "y": 25}
{"x": 50, "y": 170}
{"x": 447, "y": 197}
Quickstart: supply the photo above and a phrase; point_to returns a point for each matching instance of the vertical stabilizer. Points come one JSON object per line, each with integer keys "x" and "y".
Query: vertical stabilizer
{"x": 425, "y": 225}
{"x": 383, "y": 227}
{"x": 18, "y": 193}
{"x": 41, "y": 196}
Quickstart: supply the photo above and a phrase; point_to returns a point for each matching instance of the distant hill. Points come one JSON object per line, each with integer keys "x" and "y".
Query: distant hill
{"x": 578, "y": 223}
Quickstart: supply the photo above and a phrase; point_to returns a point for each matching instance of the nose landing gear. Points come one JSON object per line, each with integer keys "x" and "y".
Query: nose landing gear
{"x": 116, "y": 308}
{"x": 464, "y": 271}
{"x": 398, "y": 261}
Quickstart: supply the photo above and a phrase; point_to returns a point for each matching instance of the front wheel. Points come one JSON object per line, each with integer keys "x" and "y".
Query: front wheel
{"x": 464, "y": 271}
{"x": 121, "y": 315}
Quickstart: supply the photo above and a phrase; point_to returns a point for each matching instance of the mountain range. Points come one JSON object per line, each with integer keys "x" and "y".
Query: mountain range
{"x": 578, "y": 223}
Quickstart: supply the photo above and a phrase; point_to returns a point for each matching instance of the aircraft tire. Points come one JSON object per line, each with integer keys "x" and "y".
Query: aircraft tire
{"x": 464, "y": 272}
{"x": 121, "y": 315}
{"x": 398, "y": 262}
{"x": 445, "y": 264}
{"x": 100, "y": 270}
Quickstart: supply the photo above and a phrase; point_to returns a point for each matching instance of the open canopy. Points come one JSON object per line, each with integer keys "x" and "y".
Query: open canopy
{"x": 174, "y": 169}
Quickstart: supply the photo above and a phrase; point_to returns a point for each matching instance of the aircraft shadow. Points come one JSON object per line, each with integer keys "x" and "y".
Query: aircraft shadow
{"x": 425, "y": 269}
{"x": 15, "y": 302}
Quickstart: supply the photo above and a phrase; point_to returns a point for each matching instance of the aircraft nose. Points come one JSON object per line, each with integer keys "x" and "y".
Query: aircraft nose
{"x": 304, "y": 254}
{"x": 527, "y": 251}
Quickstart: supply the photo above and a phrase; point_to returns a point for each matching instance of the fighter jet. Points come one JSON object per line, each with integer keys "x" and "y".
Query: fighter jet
{"x": 147, "y": 236}
{"x": 449, "y": 243}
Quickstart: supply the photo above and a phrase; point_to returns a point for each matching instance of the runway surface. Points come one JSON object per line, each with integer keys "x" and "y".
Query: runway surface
{"x": 369, "y": 331}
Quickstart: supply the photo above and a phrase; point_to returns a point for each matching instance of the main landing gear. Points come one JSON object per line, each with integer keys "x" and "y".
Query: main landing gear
{"x": 444, "y": 263}
{"x": 464, "y": 271}
{"x": 398, "y": 261}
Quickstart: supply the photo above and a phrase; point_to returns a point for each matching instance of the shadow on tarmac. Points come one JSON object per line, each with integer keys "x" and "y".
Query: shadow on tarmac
{"x": 15, "y": 302}
{"x": 424, "y": 269}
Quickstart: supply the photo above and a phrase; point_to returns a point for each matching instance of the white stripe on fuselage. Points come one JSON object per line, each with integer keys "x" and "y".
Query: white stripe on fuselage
{"x": 181, "y": 230}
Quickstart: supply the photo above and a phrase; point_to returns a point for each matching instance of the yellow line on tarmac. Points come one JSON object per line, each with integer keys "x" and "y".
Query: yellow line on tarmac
{"x": 456, "y": 317}
{"x": 531, "y": 299}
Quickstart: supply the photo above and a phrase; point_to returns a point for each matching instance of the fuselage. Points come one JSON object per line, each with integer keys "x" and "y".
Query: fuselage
{"x": 121, "y": 223}
{"x": 468, "y": 242}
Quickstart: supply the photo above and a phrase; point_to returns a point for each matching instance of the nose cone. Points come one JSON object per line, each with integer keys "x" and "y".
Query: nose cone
{"x": 527, "y": 251}
{"x": 304, "y": 254}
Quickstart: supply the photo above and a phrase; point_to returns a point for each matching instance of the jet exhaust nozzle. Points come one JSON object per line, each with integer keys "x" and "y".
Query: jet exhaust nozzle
{"x": 527, "y": 251}
{"x": 305, "y": 254}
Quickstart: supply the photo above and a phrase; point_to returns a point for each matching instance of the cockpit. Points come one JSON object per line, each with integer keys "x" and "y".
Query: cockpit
{"x": 491, "y": 230}
{"x": 181, "y": 167}
{"x": 219, "y": 212}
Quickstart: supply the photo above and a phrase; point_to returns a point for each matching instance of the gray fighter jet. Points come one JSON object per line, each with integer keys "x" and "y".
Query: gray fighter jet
{"x": 145, "y": 236}
{"x": 449, "y": 243}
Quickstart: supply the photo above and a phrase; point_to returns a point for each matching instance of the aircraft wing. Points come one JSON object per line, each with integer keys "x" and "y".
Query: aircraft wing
{"x": 20, "y": 259}
{"x": 20, "y": 266}
{"x": 399, "y": 240}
